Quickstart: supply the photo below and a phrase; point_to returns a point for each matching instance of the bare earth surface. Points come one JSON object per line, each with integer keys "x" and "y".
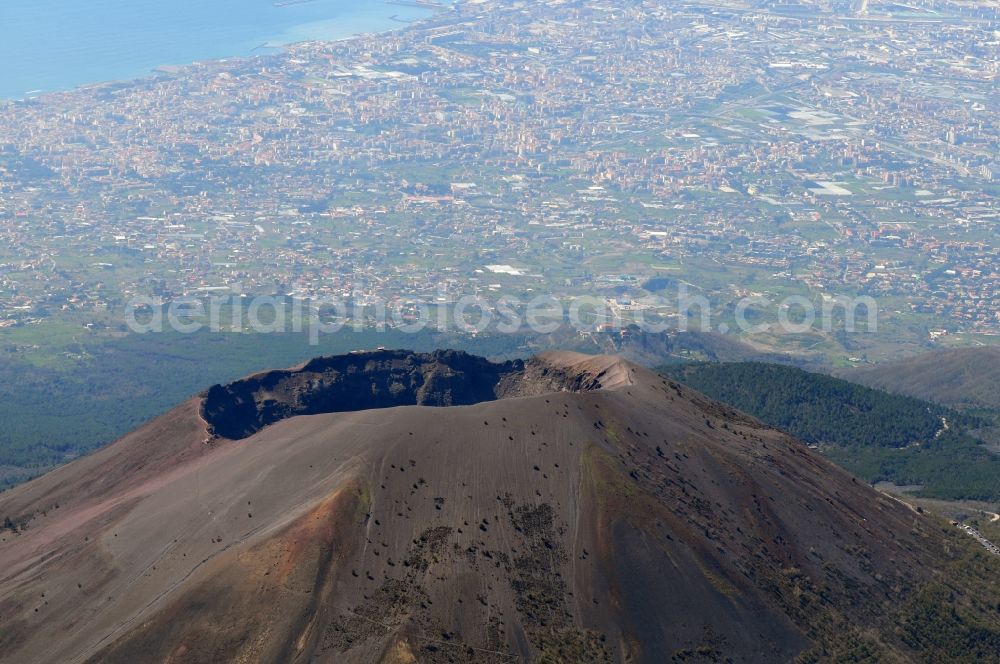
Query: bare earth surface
{"x": 592, "y": 511}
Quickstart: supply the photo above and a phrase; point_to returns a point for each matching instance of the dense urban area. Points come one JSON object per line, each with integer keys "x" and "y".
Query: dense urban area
{"x": 607, "y": 148}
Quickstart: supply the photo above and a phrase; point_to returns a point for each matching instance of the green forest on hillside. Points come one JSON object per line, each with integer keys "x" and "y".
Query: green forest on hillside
{"x": 965, "y": 378}
{"x": 873, "y": 434}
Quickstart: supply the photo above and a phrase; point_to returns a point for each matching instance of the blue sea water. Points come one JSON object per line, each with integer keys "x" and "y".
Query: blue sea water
{"x": 52, "y": 45}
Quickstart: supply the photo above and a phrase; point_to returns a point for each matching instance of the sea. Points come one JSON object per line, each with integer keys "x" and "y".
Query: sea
{"x": 54, "y": 45}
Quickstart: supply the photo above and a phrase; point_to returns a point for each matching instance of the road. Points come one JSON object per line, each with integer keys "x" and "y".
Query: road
{"x": 978, "y": 536}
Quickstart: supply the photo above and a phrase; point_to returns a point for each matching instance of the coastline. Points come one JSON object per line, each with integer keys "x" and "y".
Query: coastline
{"x": 288, "y": 38}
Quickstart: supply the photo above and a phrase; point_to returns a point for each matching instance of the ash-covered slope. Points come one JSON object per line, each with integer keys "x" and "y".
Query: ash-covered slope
{"x": 595, "y": 513}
